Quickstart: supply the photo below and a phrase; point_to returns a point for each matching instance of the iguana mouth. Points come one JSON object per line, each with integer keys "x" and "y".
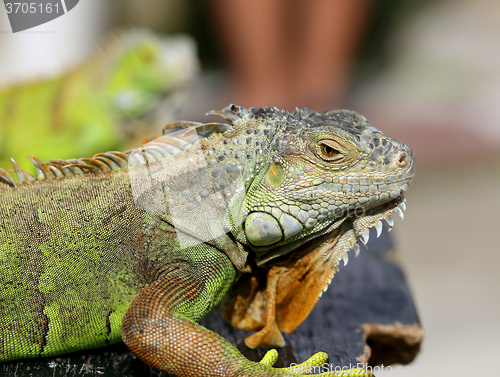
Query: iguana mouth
{"x": 362, "y": 232}
{"x": 373, "y": 219}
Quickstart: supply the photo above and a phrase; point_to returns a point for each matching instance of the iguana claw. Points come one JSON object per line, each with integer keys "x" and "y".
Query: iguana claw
{"x": 269, "y": 358}
{"x": 315, "y": 361}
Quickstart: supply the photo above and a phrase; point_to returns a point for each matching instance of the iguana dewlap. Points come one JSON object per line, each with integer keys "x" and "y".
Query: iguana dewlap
{"x": 138, "y": 246}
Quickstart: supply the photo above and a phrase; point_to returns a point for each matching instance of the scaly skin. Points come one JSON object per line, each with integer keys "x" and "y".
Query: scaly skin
{"x": 99, "y": 105}
{"x": 140, "y": 245}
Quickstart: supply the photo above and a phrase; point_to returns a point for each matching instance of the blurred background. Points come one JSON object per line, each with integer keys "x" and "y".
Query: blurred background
{"x": 425, "y": 72}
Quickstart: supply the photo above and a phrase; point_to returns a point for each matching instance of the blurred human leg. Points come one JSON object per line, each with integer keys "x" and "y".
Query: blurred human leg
{"x": 331, "y": 32}
{"x": 254, "y": 40}
{"x": 289, "y": 53}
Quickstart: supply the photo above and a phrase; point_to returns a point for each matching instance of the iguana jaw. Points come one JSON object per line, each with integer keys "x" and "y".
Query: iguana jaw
{"x": 355, "y": 230}
{"x": 304, "y": 274}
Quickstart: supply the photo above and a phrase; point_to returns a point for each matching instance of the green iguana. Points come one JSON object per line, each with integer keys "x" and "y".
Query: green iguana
{"x": 102, "y": 103}
{"x": 138, "y": 246}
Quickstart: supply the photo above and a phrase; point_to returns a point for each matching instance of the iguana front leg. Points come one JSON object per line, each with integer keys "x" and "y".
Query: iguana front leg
{"x": 270, "y": 335}
{"x": 159, "y": 326}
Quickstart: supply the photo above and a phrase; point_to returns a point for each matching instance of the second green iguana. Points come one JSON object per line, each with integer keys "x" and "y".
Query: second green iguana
{"x": 122, "y": 93}
{"x": 138, "y": 246}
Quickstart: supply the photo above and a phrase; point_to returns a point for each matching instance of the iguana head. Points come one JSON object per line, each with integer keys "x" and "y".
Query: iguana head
{"x": 322, "y": 168}
{"x": 143, "y": 67}
{"x": 314, "y": 172}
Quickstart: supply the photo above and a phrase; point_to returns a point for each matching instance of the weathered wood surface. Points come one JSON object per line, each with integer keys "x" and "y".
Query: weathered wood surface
{"x": 368, "y": 303}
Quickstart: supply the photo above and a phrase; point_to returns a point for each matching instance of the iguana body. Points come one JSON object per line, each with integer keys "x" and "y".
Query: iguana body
{"x": 140, "y": 245}
{"x": 99, "y": 105}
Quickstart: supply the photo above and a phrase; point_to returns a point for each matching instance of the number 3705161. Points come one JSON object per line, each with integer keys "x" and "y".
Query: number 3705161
{"x": 25, "y": 7}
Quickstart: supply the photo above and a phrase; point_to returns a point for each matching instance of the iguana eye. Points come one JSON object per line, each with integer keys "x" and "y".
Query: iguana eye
{"x": 329, "y": 150}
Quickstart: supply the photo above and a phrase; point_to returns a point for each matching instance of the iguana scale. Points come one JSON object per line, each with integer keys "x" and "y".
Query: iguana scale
{"x": 123, "y": 92}
{"x": 138, "y": 246}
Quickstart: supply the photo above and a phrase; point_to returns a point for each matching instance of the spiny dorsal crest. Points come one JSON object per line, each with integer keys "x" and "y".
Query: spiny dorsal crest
{"x": 61, "y": 169}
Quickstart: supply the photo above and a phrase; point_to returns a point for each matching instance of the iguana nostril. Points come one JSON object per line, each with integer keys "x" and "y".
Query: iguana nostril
{"x": 403, "y": 159}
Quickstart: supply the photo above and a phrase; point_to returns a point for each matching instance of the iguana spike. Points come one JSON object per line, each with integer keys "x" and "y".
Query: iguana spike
{"x": 119, "y": 157}
{"x": 403, "y": 205}
{"x": 167, "y": 148}
{"x": 39, "y": 171}
{"x": 21, "y": 179}
{"x": 149, "y": 139}
{"x": 111, "y": 164}
{"x": 308, "y": 113}
{"x": 57, "y": 173}
{"x": 99, "y": 164}
{"x": 6, "y": 178}
{"x": 42, "y": 170}
{"x": 137, "y": 159}
{"x": 177, "y": 143}
{"x": 78, "y": 163}
{"x": 366, "y": 236}
{"x": 161, "y": 148}
{"x": 157, "y": 151}
{"x": 75, "y": 170}
{"x": 379, "y": 226}
{"x": 190, "y": 136}
{"x": 399, "y": 212}
{"x": 212, "y": 127}
{"x": 153, "y": 155}
{"x": 6, "y": 181}
{"x": 390, "y": 220}
{"x": 29, "y": 177}
{"x": 90, "y": 168}
{"x": 179, "y": 125}
{"x": 356, "y": 249}
{"x": 218, "y": 113}
{"x": 231, "y": 113}
{"x": 61, "y": 165}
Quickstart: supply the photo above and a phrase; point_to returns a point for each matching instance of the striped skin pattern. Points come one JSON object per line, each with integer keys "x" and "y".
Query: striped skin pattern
{"x": 124, "y": 91}
{"x": 138, "y": 246}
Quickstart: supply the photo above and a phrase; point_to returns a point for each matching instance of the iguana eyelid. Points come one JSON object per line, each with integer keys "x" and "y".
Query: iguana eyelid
{"x": 336, "y": 146}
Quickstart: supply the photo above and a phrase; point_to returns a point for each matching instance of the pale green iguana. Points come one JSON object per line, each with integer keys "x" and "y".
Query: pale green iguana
{"x": 138, "y": 246}
{"x": 123, "y": 92}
